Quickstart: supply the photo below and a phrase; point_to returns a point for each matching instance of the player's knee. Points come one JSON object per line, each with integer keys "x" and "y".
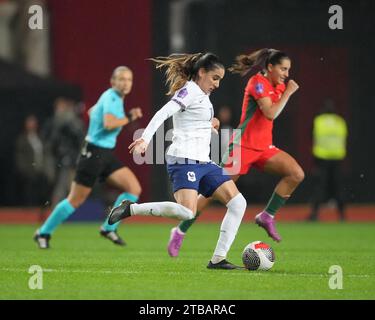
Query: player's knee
{"x": 298, "y": 175}
{"x": 76, "y": 201}
{"x": 186, "y": 212}
{"x": 134, "y": 189}
{"x": 238, "y": 204}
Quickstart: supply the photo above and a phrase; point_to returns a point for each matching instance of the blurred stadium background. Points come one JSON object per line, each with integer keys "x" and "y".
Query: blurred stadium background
{"x": 70, "y": 61}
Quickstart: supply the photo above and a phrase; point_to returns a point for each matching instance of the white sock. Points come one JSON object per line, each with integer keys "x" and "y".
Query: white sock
{"x": 217, "y": 259}
{"x": 161, "y": 209}
{"x": 229, "y": 227}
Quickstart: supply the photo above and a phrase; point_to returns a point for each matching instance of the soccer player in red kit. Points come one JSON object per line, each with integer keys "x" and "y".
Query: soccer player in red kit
{"x": 266, "y": 95}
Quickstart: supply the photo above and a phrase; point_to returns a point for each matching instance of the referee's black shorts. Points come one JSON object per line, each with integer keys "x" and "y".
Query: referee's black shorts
{"x": 95, "y": 162}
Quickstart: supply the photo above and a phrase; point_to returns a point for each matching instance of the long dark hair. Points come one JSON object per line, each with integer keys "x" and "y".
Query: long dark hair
{"x": 244, "y": 63}
{"x": 181, "y": 68}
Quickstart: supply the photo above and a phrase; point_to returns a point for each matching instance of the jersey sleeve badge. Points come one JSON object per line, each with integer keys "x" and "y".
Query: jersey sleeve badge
{"x": 183, "y": 93}
{"x": 259, "y": 88}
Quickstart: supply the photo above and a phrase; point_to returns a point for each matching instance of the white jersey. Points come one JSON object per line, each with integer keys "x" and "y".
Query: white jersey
{"x": 192, "y": 114}
{"x": 192, "y": 124}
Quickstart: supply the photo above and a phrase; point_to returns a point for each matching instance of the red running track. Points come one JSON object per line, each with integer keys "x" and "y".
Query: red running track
{"x": 354, "y": 213}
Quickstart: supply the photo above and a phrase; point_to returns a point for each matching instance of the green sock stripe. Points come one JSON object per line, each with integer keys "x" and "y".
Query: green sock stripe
{"x": 275, "y": 203}
{"x": 185, "y": 225}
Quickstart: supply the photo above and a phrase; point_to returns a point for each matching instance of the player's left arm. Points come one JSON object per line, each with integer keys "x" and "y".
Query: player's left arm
{"x": 140, "y": 145}
{"x": 113, "y": 113}
{"x": 272, "y": 110}
{"x": 112, "y": 122}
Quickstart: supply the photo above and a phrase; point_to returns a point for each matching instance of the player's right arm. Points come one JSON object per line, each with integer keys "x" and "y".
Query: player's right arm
{"x": 180, "y": 101}
{"x": 140, "y": 145}
{"x": 272, "y": 110}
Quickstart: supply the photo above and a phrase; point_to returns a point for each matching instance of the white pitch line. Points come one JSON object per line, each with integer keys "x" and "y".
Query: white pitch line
{"x": 71, "y": 271}
{"x": 258, "y": 274}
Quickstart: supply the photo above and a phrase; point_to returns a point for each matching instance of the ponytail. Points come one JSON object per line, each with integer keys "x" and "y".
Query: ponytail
{"x": 181, "y": 68}
{"x": 261, "y": 58}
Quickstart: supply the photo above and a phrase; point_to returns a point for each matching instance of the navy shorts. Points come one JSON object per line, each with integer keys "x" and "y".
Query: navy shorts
{"x": 203, "y": 177}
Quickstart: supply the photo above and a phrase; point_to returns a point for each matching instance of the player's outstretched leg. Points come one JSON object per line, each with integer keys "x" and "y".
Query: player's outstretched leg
{"x": 110, "y": 231}
{"x": 120, "y": 212}
{"x": 157, "y": 209}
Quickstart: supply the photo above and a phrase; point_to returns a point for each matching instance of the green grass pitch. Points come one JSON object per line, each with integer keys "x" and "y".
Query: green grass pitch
{"x": 82, "y": 265}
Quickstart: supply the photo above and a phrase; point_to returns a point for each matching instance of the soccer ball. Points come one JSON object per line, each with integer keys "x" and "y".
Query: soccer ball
{"x": 258, "y": 255}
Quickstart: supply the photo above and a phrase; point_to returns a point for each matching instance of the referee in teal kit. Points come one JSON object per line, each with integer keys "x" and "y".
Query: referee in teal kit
{"x": 97, "y": 159}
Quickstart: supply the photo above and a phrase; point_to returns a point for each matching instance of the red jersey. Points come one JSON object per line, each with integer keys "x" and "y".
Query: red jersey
{"x": 256, "y": 129}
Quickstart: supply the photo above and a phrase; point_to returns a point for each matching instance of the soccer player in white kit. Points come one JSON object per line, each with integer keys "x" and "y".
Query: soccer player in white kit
{"x": 191, "y": 78}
